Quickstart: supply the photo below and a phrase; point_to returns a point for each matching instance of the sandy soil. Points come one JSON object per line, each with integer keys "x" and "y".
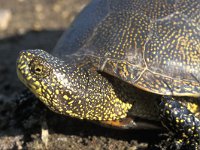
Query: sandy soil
{"x": 29, "y": 124}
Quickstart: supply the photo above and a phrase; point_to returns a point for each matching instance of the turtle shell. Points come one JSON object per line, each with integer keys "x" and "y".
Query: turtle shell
{"x": 151, "y": 44}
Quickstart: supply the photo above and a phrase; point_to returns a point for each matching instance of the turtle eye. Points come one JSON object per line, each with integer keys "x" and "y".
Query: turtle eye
{"x": 39, "y": 68}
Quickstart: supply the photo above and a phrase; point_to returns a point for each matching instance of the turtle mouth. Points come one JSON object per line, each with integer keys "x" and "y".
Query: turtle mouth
{"x": 22, "y": 67}
{"x": 24, "y": 74}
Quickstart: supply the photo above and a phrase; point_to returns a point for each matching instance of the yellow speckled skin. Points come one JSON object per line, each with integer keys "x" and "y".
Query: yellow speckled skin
{"x": 120, "y": 45}
{"x": 68, "y": 89}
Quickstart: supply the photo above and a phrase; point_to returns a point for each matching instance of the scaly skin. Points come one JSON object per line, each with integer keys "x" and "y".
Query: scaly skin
{"x": 182, "y": 119}
{"x": 70, "y": 90}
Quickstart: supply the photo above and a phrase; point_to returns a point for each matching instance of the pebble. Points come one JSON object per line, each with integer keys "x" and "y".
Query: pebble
{"x": 5, "y": 16}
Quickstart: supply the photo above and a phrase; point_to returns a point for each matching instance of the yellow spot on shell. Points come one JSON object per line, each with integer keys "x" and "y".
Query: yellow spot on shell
{"x": 36, "y": 83}
{"x": 184, "y": 135}
{"x": 71, "y": 102}
{"x": 54, "y": 103}
{"x": 192, "y": 107}
{"x": 69, "y": 111}
{"x": 167, "y": 111}
{"x": 39, "y": 90}
{"x": 66, "y": 97}
{"x": 29, "y": 77}
{"x": 53, "y": 84}
{"x": 49, "y": 91}
{"x": 23, "y": 66}
{"x": 48, "y": 96}
{"x": 33, "y": 86}
{"x": 57, "y": 92}
{"x": 26, "y": 72}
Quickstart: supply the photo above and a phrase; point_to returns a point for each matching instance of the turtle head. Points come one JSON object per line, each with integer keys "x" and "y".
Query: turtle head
{"x": 67, "y": 88}
{"x": 41, "y": 73}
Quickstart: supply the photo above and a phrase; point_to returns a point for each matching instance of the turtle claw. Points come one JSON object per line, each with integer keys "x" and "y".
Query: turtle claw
{"x": 125, "y": 123}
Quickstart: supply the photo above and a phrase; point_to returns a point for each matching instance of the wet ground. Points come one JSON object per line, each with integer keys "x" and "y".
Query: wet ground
{"x": 32, "y": 24}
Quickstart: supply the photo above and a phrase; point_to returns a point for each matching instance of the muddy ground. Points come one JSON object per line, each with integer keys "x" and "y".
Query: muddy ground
{"x": 32, "y": 24}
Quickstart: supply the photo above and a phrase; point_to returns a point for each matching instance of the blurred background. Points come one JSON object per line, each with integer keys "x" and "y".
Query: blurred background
{"x": 37, "y": 24}
{"x": 31, "y": 24}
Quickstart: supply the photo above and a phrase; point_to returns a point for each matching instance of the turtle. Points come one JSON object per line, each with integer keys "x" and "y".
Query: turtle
{"x": 124, "y": 59}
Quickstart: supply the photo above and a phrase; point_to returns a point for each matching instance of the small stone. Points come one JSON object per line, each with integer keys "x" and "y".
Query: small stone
{"x": 39, "y": 8}
{"x": 57, "y": 8}
{"x": 45, "y": 133}
{"x": 65, "y": 14}
{"x": 5, "y": 16}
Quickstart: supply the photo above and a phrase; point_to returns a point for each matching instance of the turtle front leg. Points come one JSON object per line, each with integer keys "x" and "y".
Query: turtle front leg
{"x": 181, "y": 121}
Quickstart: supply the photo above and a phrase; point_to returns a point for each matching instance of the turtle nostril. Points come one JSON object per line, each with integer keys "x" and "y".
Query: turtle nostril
{"x": 38, "y": 69}
{"x": 22, "y": 52}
